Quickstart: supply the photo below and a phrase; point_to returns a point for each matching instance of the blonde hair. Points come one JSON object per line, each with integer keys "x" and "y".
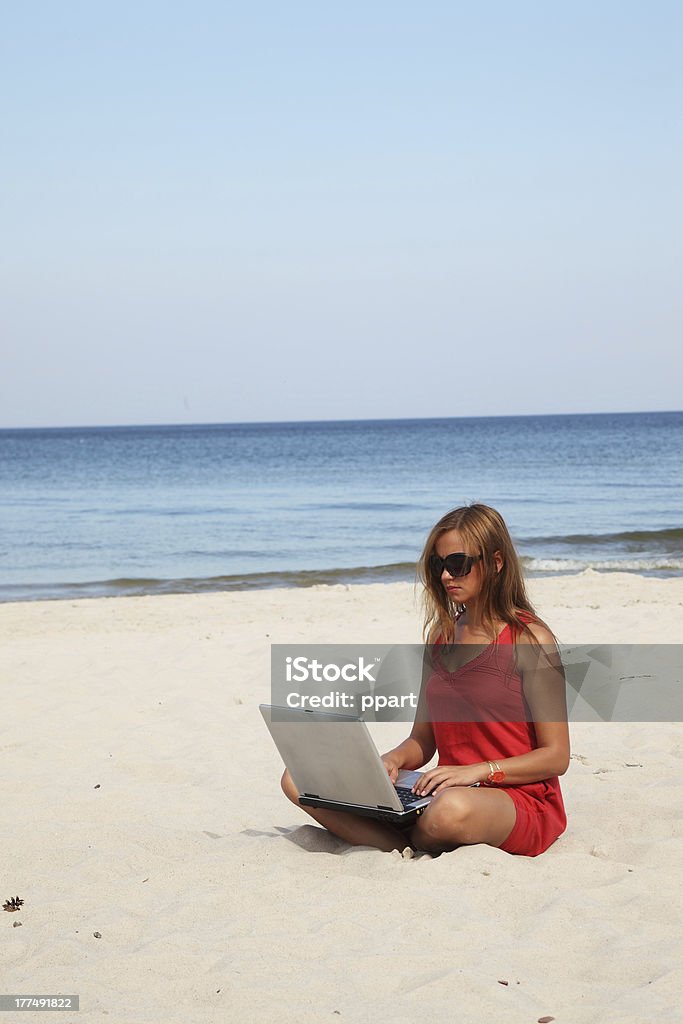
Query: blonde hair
{"x": 503, "y": 594}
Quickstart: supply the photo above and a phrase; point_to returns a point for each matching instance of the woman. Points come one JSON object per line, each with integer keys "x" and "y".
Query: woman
{"x": 496, "y": 712}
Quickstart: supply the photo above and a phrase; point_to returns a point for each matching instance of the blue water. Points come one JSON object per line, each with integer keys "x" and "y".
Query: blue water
{"x": 185, "y": 508}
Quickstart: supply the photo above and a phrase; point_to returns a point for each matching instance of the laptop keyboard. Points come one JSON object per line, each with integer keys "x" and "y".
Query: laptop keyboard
{"x": 406, "y": 796}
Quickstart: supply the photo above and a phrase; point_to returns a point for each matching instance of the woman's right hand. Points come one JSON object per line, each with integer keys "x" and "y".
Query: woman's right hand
{"x": 392, "y": 766}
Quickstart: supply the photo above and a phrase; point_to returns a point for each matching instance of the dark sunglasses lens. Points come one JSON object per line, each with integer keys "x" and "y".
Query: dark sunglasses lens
{"x": 457, "y": 565}
{"x": 436, "y": 564}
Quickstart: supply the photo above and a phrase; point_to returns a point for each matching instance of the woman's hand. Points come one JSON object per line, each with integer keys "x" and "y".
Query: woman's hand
{"x": 436, "y": 779}
{"x": 392, "y": 766}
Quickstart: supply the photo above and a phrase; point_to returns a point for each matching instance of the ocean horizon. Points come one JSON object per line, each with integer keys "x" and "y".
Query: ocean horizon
{"x": 201, "y": 424}
{"x": 113, "y": 510}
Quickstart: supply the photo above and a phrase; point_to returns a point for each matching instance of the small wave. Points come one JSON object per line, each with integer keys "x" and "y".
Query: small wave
{"x": 668, "y": 536}
{"x": 637, "y": 565}
{"x": 152, "y": 511}
{"x": 363, "y": 506}
{"x": 138, "y": 587}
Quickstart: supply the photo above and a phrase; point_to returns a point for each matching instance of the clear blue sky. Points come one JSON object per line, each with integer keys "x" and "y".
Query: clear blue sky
{"x": 275, "y": 211}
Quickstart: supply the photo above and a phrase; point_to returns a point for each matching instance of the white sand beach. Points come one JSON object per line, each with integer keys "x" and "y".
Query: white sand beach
{"x": 141, "y": 802}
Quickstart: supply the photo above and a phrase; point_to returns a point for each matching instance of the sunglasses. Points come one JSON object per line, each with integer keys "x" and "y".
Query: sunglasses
{"x": 458, "y": 564}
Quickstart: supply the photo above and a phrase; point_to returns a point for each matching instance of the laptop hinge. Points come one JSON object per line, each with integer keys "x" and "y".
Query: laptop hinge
{"x": 315, "y": 795}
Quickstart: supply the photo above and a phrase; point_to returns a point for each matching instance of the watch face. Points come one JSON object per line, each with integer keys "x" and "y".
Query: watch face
{"x": 497, "y": 776}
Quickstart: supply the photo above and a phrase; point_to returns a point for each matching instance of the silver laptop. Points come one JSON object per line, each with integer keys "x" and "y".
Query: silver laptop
{"x": 334, "y": 763}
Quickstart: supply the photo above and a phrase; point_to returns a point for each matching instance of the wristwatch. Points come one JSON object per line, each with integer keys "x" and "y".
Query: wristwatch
{"x": 496, "y": 774}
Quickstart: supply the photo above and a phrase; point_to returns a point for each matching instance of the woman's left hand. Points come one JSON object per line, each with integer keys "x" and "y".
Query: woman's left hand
{"x": 436, "y": 779}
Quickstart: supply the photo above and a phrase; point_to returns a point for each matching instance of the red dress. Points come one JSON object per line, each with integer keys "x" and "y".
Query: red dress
{"x": 488, "y": 689}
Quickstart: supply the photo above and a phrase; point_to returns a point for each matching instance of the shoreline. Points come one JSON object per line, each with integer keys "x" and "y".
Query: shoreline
{"x": 285, "y": 581}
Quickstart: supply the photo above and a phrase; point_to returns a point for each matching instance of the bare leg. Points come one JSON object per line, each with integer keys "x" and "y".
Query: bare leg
{"x": 353, "y": 828}
{"x": 461, "y": 817}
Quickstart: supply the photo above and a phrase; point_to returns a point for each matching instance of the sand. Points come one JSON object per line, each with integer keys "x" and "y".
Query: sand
{"x": 141, "y": 801}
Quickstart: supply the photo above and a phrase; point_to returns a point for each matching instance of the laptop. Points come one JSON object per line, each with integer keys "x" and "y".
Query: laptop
{"x": 334, "y": 763}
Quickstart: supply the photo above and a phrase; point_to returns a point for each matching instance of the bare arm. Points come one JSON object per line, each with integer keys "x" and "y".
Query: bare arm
{"x": 416, "y": 751}
{"x": 544, "y": 689}
{"x": 420, "y": 746}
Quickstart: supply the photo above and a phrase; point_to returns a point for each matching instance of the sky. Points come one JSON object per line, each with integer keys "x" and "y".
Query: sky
{"x": 219, "y": 212}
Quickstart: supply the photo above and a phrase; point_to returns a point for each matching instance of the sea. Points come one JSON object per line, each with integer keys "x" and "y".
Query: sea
{"x": 106, "y": 511}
